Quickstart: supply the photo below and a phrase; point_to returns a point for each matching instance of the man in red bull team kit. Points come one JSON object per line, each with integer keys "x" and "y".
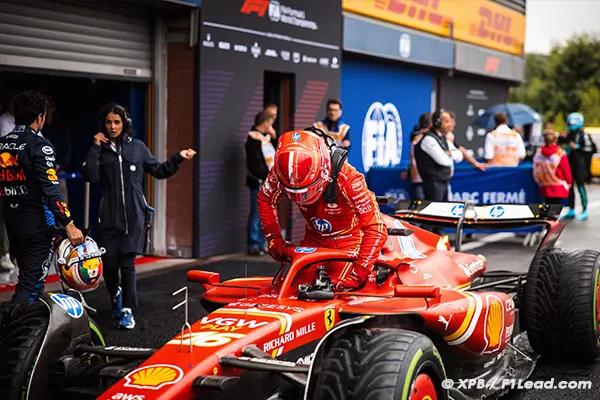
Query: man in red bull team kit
{"x": 339, "y": 210}
{"x": 31, "y": 196}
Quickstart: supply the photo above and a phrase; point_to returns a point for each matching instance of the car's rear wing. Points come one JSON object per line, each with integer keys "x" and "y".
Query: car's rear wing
{"x": 491, "y": 216}
{"x": 456, "y": 215}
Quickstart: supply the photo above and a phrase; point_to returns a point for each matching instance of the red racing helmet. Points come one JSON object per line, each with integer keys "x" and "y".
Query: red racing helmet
{"x": 303, "y": 166}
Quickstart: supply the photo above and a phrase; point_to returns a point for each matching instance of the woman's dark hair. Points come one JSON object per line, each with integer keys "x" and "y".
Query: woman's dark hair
{"x": 28, "y": 105}
{"x": 117, "y": 109}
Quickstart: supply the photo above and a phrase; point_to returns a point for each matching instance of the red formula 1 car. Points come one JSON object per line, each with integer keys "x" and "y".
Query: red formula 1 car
{"x": 430, "y": 323}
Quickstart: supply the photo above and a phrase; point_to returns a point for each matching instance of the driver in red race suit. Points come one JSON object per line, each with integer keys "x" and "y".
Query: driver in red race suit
{"x": 339, "y": 210}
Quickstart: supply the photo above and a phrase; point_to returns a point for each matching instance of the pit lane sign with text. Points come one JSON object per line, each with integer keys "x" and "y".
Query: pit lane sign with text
{"x": 279, "y": 34}
{"x": 295, "y": 20}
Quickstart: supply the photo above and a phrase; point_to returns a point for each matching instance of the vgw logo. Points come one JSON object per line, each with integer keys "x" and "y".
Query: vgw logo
{"x": 382, "y": 136}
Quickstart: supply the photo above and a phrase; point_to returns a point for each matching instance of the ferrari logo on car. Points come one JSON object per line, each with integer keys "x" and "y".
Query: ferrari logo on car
{"x": 154, "y": 376}
{"x": 329, "y": 318}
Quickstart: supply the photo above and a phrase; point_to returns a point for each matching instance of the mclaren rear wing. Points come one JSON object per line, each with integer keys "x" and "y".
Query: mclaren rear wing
{"x": 457, "y": 216}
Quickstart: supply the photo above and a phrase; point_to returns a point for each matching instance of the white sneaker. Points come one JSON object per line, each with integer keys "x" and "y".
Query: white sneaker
{"x": 6, "y": 264}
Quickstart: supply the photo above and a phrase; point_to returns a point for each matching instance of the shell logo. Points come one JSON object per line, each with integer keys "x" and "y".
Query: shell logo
{"x": 154, "y": 376}
{"x": 494, "y": 324}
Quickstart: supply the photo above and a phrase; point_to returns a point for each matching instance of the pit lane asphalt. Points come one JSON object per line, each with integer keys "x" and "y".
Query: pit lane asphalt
{"x": 158, "y": 323}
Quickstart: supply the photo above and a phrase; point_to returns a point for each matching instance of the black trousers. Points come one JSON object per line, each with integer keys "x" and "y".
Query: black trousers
{"x": 124, "y": 263}
{"x": 435, "y": 190}
{"x": 33, "y": 254}
{"x": 587, "y": 160}
{"x": 578, "y": 172}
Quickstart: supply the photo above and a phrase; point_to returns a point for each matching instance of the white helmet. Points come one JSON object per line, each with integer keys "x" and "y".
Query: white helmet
{"x": 80, "y": 268}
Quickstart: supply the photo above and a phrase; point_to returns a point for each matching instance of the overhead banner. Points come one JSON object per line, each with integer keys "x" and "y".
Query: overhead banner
{"x": 294, "y": 21}
{"x": 477, "y": 60}
{"x": 481, "y": 22}
{"x": 395, "y": 43}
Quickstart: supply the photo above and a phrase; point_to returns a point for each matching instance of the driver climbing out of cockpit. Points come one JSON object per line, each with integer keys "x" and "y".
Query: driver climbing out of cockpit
{"x": 339, "y": 210}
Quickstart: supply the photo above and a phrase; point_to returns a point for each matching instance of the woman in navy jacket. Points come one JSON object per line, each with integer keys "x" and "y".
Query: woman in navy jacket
{"x": 118, "y": 162}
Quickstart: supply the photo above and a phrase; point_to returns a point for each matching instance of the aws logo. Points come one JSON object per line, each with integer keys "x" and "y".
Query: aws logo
{"x": 257, "y": 6}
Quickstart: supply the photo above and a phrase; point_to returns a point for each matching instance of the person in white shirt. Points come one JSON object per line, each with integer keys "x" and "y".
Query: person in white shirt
{"x": 7, "y": 120}
{"x": 435, "y": 157}
{"x": 504, "y": 147}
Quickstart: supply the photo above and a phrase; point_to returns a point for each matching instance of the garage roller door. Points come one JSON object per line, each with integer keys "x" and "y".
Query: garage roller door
{"x": 82, "y": 38}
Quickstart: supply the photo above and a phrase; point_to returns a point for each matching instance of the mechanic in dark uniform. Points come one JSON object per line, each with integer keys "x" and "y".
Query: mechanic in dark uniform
{"x": 119, "y": 162}
{"x": 31, "y": 196}
{"x": 435, "y": 157}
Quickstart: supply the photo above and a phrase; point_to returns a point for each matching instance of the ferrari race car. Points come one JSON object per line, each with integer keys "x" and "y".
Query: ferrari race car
{"x": 428, "y": 314}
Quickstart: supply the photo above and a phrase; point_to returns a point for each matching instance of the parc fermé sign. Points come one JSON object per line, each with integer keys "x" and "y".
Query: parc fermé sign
{"x": 482, "y": 22}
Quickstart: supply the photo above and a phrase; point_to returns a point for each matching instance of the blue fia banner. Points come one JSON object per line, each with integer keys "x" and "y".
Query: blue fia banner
{"x": 382, "y": 103}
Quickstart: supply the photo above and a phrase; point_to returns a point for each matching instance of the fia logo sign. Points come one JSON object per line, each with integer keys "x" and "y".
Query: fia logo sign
{"x": 382, "y": 136}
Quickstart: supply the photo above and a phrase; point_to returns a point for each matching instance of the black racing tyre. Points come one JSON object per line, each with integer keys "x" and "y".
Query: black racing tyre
{"x": 20, "y": 343}
{"x": 562, "y": 304}
{"x": 382, "y": 364}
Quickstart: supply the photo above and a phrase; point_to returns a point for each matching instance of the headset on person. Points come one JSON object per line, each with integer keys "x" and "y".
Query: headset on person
{"x": 338, "y": 158}
{"x": 436, "y": 118}
{"x": 128, "y": 122}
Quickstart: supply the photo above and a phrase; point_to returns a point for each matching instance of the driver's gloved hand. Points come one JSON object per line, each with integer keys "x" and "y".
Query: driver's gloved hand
{"x": 355, "y": 279}
{"x": 276, "y": 248}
